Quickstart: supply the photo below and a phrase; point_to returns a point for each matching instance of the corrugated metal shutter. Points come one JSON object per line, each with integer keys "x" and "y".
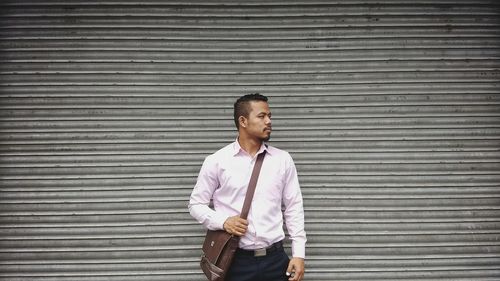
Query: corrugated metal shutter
{"x": 390, "y": 110}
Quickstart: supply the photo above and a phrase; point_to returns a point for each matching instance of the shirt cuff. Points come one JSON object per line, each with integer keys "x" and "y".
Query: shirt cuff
{"x": 217, "y": 221}
{"x": 298, "y": 249}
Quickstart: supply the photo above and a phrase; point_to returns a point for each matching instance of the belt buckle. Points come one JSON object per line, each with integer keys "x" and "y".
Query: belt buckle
{"x": 260, "y": 252}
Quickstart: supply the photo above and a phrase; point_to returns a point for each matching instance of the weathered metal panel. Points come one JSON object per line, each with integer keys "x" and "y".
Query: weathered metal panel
{"x": 391, "y": 111}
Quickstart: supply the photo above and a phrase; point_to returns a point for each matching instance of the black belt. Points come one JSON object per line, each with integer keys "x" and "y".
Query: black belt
{"x": 261, "y": 252}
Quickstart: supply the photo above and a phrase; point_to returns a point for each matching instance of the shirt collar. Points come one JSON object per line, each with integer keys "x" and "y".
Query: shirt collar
{"x": 237, "y": 148}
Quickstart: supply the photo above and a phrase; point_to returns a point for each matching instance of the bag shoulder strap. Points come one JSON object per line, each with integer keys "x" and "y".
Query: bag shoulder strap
{"x": 252, "y": 184}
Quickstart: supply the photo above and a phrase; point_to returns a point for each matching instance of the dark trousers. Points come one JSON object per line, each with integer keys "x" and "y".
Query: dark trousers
{"x": 271, "y": 267}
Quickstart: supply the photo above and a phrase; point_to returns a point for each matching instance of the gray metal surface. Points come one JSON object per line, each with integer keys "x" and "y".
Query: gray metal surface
{"x": 390, "y": 110}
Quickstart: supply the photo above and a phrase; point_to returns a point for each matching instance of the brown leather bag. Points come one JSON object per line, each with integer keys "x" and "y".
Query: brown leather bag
{"x": 218, "y": 251}
{"x": 219, "y": 246}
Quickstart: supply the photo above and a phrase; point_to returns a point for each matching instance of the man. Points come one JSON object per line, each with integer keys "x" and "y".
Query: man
{"x": 224, "y": 178}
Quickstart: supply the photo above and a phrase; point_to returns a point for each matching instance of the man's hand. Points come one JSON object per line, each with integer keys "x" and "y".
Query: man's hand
{"x": 295, "y": 269}
{"x": 236, "y": 226}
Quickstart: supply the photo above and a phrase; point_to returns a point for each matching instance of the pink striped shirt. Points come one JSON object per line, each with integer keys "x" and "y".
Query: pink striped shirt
{"x": 224, "y": 178}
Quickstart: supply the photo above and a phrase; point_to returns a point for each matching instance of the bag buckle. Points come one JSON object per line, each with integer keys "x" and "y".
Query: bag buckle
{"x": 260, "y": 252}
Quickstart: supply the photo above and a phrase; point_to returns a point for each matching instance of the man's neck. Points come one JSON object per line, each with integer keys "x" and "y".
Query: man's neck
{"x": 251, "y": 146}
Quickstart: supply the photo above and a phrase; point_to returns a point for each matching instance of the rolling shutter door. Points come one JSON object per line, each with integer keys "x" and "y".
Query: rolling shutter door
{"x": 390, "y": 110}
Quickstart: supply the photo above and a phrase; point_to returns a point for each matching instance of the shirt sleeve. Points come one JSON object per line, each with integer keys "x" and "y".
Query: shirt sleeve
{"x": 199, "y": 202}
{"x": 294, "y": 211}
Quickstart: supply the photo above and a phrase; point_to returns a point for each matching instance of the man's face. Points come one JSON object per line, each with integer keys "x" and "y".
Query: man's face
{"x": 258, "y": 123}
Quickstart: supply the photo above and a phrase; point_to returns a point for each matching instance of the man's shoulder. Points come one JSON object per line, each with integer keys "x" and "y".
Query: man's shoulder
{"x": 274, "y": 151}
{"x": 225, "y": 151}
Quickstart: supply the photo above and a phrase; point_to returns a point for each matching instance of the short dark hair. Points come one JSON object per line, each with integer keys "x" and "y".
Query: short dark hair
{"x": 242, "y": 106}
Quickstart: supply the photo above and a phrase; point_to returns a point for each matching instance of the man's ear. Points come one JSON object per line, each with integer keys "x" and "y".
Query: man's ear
{"x": 243, "y": 121}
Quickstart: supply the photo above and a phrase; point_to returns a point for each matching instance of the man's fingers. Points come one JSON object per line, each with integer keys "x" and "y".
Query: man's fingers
{"x": 296, "y": 269}
{"x": 241, "y": 222}
{"x": 240, "y": 229}
{"x": 236, "y": 225}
